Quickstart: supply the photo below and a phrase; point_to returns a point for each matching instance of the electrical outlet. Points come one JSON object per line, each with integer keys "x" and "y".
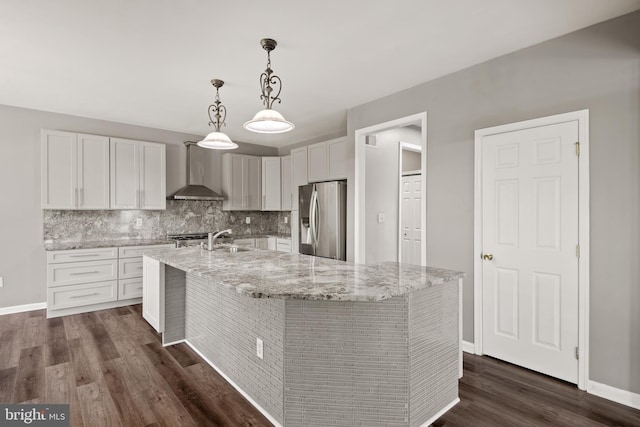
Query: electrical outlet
{"x": 286, "y": 219}
{"x": 259, "y": 348}
{"x": 380, "y": 218}
{"x": 139, "y": 222}
{"x": 247, "y": 220}
{"x": 1, "y": 282}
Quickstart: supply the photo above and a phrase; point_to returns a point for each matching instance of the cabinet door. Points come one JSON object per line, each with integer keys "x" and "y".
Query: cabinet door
{"x": 233, "y": 182}
{"x": 125, "y": 174}
{"x": 263, "y": 243}
{"x": 245, "y": 243}
{"x": 93, "y": 172}
{"x": 295, "y": 230}
{"x": 285, "y": 183}
{"x": 253, "y": 180}
{"x": 153, "y": 194}
{"x": 271, "y": 191}
{"x": 153, "y": 293}
{"x": 298, "y": 173}
{"x": 59, "y": 180}
{"x": 337, "y": 158}
{"x": 317, "y": 162}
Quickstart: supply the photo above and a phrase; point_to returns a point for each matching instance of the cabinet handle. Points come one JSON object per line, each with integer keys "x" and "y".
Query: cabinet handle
{"x": 83, "y": 255}
{"x": 81, "y": 197}
{"x": 75, "y": 199}
{"x": 85, "y": 295}
{"x": 141, "y": 198}
{"x": 84, "y": 272}
{"x": 139, "y": 268}
{"x": 264, "y": 202}
{"x": 139, "y": 288}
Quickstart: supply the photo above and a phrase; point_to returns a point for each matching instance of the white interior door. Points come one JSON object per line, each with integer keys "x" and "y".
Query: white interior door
{"x": 410, "y": 222}
{"x": 530, "y": 230}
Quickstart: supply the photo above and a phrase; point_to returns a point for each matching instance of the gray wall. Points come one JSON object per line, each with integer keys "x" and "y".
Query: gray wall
{"x": 22, "y": 257}
{"x": 381, "y": 193}
{"x": 596, "y": 68}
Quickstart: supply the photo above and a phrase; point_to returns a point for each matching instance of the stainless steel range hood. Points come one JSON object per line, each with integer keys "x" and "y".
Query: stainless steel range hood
{"x": 193, "y": 191}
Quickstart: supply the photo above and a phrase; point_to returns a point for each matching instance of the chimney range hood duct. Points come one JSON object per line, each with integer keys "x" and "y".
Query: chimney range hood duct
{"x": 193, "y": 191}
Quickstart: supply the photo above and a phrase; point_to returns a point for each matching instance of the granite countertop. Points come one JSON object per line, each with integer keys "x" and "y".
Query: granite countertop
{"x": 271, "y": 274}
{"x": 60, "y": 246}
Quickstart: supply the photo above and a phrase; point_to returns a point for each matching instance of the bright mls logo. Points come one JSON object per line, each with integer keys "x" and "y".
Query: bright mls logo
{"x": 34, "y": 415}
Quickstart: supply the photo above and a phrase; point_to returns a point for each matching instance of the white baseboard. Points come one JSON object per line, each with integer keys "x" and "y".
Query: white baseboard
{"x": 617, "y": 395}
{"x": 440, "y": 413}
{"x": 468, "y": 347}
{"x": 23, "y": 308}
{"x": 242, "y": 392}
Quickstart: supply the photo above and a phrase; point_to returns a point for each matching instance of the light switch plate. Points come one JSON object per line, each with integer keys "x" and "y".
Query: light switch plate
{"x": 259, "y": 348}
{"x": 1, "y": 282}
{"x": 139, "y": 222}
{"x": 286, "y": 219}
{"x": 380, "y": 218}
{"x": 247, "y": 220}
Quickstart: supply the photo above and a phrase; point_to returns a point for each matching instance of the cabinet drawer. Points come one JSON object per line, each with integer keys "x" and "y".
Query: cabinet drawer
{"x": 72, "y": 273}
{"x": 130, "y": 288}
{"x": 74, "y": 255}
{"x": 129, "y": 268}
{"x": 76, "y": 295}
{"x": 136, "y": 251}
{"x": 283, "y": 245}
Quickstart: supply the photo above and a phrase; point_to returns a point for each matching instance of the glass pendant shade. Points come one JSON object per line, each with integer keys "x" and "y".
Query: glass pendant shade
{"x": 217, "y": 141}
{"x": 268, "y": 121}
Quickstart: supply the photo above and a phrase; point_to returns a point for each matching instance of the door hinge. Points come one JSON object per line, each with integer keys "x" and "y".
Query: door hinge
{"x": 577, "y": 148}
{"x": 577, "y": 353}
{"x": 577, "y": 251}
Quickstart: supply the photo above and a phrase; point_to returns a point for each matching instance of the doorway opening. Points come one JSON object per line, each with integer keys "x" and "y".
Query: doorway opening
{"x": 378, "y": 186}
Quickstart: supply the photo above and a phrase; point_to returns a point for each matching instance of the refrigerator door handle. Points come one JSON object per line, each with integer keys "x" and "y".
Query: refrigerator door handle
{"x": 316, "y": 218}
{"x": 312, "y": 218}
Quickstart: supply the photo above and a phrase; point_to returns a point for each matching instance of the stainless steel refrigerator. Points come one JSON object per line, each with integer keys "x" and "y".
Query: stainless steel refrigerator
{"x": 323, "y": 219}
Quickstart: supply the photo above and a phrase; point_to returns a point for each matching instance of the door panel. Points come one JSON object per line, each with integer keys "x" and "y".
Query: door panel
{"x": 125, "y": 174}
{"x": 153, "y": 193}
{"x": 530, "y": 226}
{"x": 411, "y": 224}
{"x": 93, "y": 172}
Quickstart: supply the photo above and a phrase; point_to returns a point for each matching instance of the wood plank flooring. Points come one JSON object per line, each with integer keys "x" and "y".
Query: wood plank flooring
{"x": 111, "y": 367}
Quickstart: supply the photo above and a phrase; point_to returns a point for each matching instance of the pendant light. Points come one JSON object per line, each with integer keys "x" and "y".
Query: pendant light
{"x": 269, "y": 120}
{"x": 217, "y": 140}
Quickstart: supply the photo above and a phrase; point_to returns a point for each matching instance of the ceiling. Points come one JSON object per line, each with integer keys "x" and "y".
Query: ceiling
{"x": 150, "y": 62}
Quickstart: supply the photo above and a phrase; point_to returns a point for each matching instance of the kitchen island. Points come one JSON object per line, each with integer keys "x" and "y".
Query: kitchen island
{"x": 341, "y": 343}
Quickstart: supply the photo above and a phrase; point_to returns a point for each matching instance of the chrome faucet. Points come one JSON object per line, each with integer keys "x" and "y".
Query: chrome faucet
{"x": 212, "y": 238}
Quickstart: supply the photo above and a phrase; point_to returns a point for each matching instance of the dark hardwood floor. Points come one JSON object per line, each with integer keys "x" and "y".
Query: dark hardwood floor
{"x": 111, "y": 367}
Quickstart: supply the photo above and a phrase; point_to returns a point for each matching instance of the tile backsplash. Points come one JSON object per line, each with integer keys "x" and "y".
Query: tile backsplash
{"x": 179, "y": 217}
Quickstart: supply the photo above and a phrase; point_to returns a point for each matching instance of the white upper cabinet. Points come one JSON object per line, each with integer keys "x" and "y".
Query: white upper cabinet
{"x": 285, "y": 182}
{"x": 138, "y": 175}
{"x": 241, "y": 182}
{"x": 271, "y": 184}
{"x": 317, "y": 162}
{"x": 298, "y": 173}
{"x": 75, "y": 171}
{"x": 338, "y": 162}
{"x": 328, "y": 160}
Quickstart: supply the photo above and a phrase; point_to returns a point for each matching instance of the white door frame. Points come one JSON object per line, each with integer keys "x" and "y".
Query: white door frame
{"x": 359, "y": 248}
{"x": 409, "y": 147}
{"x": 583, "y": 230}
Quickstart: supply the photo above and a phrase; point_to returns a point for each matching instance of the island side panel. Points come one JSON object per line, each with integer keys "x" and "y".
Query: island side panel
{"x": 174, "y": 300}
{"x": 433, "y": 350}
{"x": 223, "y": 325}
{"x": 346, "y": 363}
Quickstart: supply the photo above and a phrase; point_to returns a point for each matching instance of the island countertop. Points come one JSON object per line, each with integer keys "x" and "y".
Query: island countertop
{"x": 270, "y": 274}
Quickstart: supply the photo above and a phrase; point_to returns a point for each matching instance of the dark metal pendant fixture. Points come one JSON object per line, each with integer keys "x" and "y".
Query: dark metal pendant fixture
{"x": 269, "y": 120}
{"x": 217, "y": 140}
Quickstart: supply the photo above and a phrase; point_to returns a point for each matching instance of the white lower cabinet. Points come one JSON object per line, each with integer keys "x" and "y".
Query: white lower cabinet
{"x": 283, "y": 245}
{"x": 262, "y": 243}
{"x": 80, "y": 280}
{"x": 153, "y": 293}
{"x": 245, "y": 243}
